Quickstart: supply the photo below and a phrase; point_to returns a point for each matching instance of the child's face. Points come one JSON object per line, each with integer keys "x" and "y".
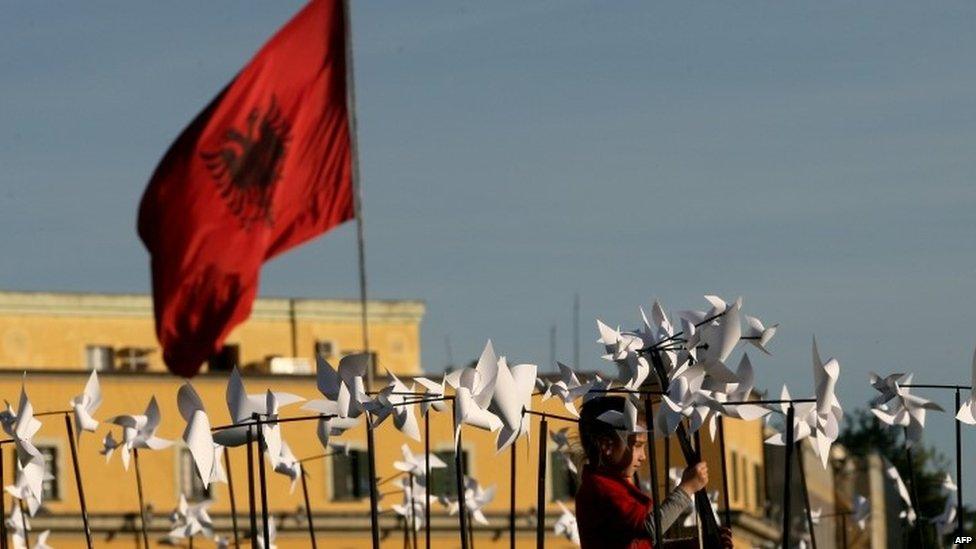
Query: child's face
{"x": 622, "y": 457}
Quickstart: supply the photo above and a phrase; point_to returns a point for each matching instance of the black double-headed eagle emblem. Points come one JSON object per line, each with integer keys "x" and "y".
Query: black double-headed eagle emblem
{"x": 248, "y": 164}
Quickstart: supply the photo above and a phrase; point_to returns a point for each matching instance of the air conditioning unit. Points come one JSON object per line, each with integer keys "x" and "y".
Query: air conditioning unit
{"x": 290, "y": 365}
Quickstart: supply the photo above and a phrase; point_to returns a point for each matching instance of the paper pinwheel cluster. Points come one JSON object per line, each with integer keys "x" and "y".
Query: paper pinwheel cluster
{"x": 698, "y": 382}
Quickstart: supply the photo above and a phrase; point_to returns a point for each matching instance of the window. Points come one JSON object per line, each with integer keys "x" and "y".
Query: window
{"x": 133, "y": 359}
{"x": 735, "y": 476}
{"x": 324, "y": 349}
{"x": 190, "y": 484}
{"x": 443, "y": 481}
{"x": 51, "y": 490}
{"x": 99, "y": 357}
{"x": 563, "y": 481}
{"x": 226, "y": 359}
{"x": 350, "y": 476}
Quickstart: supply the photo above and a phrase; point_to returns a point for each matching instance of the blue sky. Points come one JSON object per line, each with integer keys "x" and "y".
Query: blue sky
{"x": 815, "y": 158}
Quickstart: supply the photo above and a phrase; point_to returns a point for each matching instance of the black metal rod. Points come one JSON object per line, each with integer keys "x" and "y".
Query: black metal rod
{"x": 913, "y": 495}
{"x": 308, "y": 509}
{"x": 142, "y": 503}
{"x": 3, "y": 511}
{"x": 265, "y": 512}
{"x": 427, "y": 478}
{"x": 788, "y": 470}
{"x": 652, "y": 465}
{"x": 540, "y": 512}
{"x": 511, "y": 495}
{"x": 843, "y": 530}
{"x": 806, "y": 494}
{"x": 546, "y": 415}
{"x": 725, "y": 472}
{"x": 459, "y": 483}
{"x": 252, "y": 505}
{"x": 788, "y": 401}
{"x": 622, "y": 391}
{"x": 269, "y": 421}
{"x": 657, "y": 346}
{"x": 374, "y": 505}
{"x": 412, "y": 512}
{"x": 233, "y": 500}
{"x": 711, "y": 535}
{"x": 937, "y": 386}
{"x": 960, "y": 511}
{"x": 23, "y": 522}
{"x": 78, "y": 485}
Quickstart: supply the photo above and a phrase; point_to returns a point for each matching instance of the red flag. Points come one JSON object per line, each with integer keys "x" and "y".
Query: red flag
{"x": 266, "y": 166}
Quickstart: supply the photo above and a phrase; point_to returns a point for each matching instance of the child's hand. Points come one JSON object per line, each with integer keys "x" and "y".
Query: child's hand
{"x": 694, "y": 478}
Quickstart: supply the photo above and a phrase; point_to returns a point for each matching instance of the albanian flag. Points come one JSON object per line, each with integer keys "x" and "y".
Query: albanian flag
{"x": 265, "y": 167}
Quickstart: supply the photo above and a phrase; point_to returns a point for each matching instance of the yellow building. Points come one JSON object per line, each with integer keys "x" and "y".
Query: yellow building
{"x": 58, "y": 338}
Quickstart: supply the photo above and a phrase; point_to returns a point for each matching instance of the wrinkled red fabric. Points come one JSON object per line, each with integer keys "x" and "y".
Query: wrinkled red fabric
{"x": 610, "y": 513}
{"x": 265, "y": 167}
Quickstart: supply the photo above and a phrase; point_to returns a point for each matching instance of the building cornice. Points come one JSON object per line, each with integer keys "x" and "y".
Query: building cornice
{"x": 140, "y": 306}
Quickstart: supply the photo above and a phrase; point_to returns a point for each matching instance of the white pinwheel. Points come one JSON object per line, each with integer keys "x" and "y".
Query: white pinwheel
{"x": 861, "y": 512}
{"x": 567, "y": 388}
{"x": 686, "y": 398}
{"x": 623, "y": 349}
{"x": 191, "y": 520}
{"x": 29, "y": 481}
{"x": 413, "y": 503}
{"x": 511, "y": 396}
{"x": 393, "y": 400}
{"x": 417, "y": 464}
{"x": 945, "y": 522}
{"x": 566, "y": 525}
{"x": 887, "y": 386}
{"x": 18, "y": 526}
{"x": 908, "y": 513}
{"x": 272, "y": 535}
{"x": 109, "y": 444}
{"x": 287, "y": 464}
{"x": 623, "y": 422}
{"x": 22, "y": 425}
{"x": 561, "y": 439}
{"x": 345, "y": 395}
{"x": 197, "y": 435}
{"x": 473, "y": 390}
{"x": 819, "y": 420}
{"x": 718, "y": 336}
{"x": 139, "y": 431}
{"x": 434, "y": 390}
{"x": 243, "y": 407}
{"x": 897, "y": 406}
{"x": 85, "y": 404}
{"x": 758, "y": 334}
{"x": 476, "y": 498}
{"x": 967, "y": 412}
{"x": 42, "y": 540}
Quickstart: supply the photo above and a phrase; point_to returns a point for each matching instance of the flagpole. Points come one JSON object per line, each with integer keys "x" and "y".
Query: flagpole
{"x": 357, "y": 200}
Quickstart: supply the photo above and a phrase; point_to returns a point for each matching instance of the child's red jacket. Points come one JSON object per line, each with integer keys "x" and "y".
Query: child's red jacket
{"x": 611, "y": 513}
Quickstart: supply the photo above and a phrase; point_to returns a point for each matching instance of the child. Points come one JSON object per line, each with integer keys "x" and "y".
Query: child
{"x": 611, "y": 511}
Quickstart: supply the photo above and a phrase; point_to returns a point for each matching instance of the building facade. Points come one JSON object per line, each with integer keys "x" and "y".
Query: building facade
{"x": 58, "y": 338}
